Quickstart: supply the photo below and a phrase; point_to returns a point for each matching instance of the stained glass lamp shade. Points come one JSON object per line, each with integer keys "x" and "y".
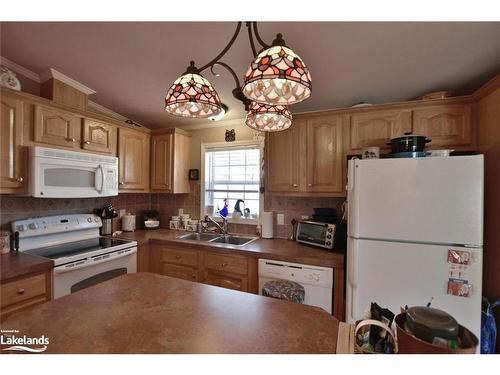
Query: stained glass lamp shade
{"x": 191, "y": 95}
{"x": 268, "y": 118}
{"x": 277, "y": 76}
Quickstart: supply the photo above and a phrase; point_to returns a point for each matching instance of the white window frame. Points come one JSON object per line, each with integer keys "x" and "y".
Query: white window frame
{"x": 236, "y": 145}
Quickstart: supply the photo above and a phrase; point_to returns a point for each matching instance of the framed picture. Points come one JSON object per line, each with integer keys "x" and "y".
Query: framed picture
{"x": 194, "y": 174}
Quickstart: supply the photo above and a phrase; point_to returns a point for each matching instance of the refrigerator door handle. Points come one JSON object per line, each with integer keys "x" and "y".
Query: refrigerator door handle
{"x": 352, "y": 259}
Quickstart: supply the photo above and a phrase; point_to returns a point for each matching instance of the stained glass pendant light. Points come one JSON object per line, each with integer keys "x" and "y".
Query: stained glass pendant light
{"x": 277, "y": 76}
{"x": 268, "y": 118}
{"x": 191, "y": 95}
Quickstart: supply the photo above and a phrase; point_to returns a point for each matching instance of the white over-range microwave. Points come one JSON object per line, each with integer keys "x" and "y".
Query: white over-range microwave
{"x": 56, "y": 173}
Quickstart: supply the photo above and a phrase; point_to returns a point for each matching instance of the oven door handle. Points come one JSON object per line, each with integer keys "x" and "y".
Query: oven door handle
{"x": 100, "y": 168}
{"x": 93, "y": 261}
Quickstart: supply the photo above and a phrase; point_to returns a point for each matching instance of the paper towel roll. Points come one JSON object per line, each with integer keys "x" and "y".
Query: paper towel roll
{"x": 267, "y": 225}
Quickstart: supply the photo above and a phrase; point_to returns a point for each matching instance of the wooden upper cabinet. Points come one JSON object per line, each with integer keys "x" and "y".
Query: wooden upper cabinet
{"x": 56, "y": 127}
{"x": 447, "y": 125}
{"x": 376, "y": 128}
{"x": 161, "y": 162}
{"x": 13, "y": 168}
{"x": 170, "y": 157}
{"x": 324, "y": 155}
{"x": 98, "y": 136}
{"x": 283, "y": 150}
{"x": 133, "y": 155}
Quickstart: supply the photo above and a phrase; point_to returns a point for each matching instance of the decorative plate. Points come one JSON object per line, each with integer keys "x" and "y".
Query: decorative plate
{"x": 9, "y": 79}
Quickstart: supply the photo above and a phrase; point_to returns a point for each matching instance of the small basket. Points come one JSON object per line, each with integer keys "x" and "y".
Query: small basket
{"x": 371, "y": 322}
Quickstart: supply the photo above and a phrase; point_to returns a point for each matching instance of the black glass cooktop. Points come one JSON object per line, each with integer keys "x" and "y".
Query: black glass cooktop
{"x": 77, "y": 247}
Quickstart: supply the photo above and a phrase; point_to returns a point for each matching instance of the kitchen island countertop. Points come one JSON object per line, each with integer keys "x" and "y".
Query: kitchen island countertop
{"x": 148, "y": 313}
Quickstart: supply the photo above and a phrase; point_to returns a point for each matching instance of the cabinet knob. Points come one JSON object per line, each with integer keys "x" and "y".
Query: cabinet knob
{"x": 122, "y": 183}
{"x": 17, "y": 179}
{"x": 223, "y": 264}
{"x": 87, "y": 142}
{"x": 309, "y": 185}
{"x": 71, "y": 140}
{"x": 20, "y": 291}
{"x": 295, "y": 185}
{"x": 177, "y": 257}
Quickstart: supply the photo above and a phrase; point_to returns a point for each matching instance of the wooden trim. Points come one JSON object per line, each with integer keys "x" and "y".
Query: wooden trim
{"x": 34, "y": 100}
{"x": 387, "y": 106}
{"x": 487, "y": 88}
{"x": 171, "y": 130}
{"x": 338, "y": 310}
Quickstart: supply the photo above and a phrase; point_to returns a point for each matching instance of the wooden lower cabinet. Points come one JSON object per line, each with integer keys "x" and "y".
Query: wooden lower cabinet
{"x": 230, "y": 271}
{"x": 24, "y": 292}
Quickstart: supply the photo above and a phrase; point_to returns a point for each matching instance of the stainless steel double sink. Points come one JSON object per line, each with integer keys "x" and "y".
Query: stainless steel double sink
{"x": 217, "y": 238}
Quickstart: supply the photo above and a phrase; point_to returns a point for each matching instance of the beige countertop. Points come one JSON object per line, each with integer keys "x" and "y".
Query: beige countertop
{"x": 149, "y": 313}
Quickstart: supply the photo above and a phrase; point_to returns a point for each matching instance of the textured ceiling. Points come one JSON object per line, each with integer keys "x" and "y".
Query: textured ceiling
{"x": 132, "y": 64}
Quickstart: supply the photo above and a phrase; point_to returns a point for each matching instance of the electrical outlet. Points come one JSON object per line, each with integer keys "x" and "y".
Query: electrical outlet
{"x": 122, "y": 213}
{"x": 304, "y": 217}
{"x": 281, "y": 219}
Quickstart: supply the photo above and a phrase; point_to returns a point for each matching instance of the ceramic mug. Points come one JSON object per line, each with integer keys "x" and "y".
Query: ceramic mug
{"x": 371, "y": 153}
{"x": 174, "y": 224}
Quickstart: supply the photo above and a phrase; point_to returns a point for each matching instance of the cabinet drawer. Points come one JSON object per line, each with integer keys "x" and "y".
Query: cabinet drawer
{"x": 226, "y": 263}
{"x": 225, "y": 280}
{"x": 21, "y": 290}
{"x": 180, "y": 272}
{"x": 179, "y": 256}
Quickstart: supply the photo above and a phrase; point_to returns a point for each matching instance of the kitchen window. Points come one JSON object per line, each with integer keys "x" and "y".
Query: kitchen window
{"x": 232, "y": 172}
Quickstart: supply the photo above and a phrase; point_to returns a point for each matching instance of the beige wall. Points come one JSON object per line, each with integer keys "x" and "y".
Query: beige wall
{"x": 216, "y": 134}
{"x": 488, "y": 116}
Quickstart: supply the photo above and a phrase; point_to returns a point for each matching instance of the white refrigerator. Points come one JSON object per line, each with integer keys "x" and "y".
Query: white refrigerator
{"x": 415, "y": 232}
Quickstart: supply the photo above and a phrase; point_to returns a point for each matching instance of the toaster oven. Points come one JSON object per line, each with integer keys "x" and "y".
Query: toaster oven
{"x": 316, "y": 233}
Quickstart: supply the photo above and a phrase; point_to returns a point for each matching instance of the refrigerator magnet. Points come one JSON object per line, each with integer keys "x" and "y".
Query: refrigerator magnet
{"x": 459, "y": 287}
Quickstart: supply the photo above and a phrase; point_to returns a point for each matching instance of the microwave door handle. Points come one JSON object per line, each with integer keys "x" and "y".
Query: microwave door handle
{"x": 99, "y": 190}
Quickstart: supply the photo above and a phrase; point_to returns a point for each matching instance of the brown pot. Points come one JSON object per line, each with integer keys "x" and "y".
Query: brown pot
{"x": 409, "y": 344}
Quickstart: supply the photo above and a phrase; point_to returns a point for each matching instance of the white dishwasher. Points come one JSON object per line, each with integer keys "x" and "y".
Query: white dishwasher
{"x": 317, "y": 281}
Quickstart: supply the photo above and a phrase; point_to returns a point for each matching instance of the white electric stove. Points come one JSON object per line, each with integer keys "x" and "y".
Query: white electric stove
{"x": 81, "y": 257}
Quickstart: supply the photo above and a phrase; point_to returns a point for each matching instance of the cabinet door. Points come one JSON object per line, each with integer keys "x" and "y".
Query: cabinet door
{"x": 376, "y": 128}
{"x": 179, "y": 272}
{"x": 56, "y": 127}
{"x": 324, "y": 155}
{"x": 133, "y": 154}
{"x": 447, "y": 125}
{"x": 161, "y": 162}
{"x": 13, "y": 170}
{"x": 226, "y": 280}
{"x": 99, "y": 137}
{"x": 283, "y": 153}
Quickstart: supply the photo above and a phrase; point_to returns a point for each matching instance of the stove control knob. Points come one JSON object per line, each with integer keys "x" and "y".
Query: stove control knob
{"x": 33, "y": 226}
{"x": 21, "y": 228}
{"x": 329, "y": 236}
{"x": 328, "y": 243}
{"x": 89, "y": 219}
{"x": 96, "y": 219}
{"x": 329, "y": 230}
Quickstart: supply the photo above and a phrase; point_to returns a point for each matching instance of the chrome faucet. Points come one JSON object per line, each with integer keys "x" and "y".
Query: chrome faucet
{"x": 223, "y": 228}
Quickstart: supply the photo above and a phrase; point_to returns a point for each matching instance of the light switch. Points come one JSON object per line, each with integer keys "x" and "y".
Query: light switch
{"x": 281, "y": 219}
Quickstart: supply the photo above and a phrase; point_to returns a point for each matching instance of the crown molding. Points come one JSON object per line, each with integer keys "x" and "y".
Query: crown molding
{"x": 52, "y": 73}
{"x": 19, "y": 69}
{"x": 96, "y": 107}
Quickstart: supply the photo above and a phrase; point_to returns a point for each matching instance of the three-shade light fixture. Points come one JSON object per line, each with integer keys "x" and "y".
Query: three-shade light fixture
{"x": 276, "y": 78}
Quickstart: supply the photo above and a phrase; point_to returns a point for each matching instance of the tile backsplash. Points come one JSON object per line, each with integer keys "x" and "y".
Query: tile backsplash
{"x": 294, "y": 208}
{"x": 14, "y": 208}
